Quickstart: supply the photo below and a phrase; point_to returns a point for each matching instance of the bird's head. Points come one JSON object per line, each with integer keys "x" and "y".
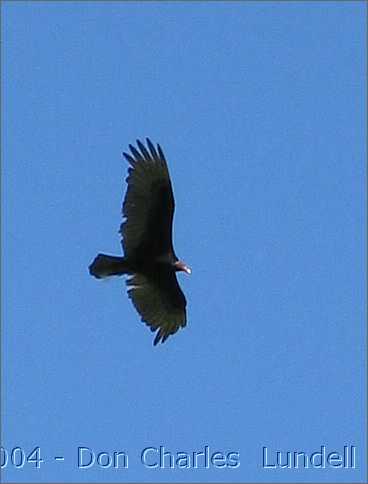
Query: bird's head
{"x": 181, "y": 266}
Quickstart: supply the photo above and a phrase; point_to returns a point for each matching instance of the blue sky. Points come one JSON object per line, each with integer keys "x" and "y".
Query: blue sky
{"x": 260, "y": 109}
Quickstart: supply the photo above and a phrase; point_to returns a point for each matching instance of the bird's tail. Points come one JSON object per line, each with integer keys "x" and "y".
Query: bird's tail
{"x": 108, "y": 265}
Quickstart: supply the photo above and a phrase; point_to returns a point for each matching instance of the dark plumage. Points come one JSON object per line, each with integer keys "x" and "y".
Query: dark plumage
{"x": 149, "y": 257}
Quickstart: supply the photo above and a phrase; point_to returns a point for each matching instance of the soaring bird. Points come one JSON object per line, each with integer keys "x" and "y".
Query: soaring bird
{"x": 146, "y": 237}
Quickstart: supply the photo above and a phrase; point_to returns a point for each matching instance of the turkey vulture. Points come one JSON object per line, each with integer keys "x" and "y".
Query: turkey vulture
{"x": 149, "y": 257}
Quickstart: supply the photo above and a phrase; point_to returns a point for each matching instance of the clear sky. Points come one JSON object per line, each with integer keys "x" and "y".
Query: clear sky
{"x": 260, "y": 110}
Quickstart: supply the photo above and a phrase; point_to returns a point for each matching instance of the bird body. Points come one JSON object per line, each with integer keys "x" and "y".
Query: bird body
{"x": 149, "y": 257}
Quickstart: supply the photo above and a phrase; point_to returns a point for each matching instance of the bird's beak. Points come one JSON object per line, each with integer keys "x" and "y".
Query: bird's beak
{"x": 181, "y": 266}
{"x": 187, "y": 269}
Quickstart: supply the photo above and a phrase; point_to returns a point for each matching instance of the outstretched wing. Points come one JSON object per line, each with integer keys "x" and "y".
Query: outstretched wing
{"x": 148, "y": 205}
{"x": 159, "y": 301}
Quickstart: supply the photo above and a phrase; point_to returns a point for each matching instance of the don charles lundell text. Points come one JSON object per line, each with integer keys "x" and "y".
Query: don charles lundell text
{"x": 160, "y": 458}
